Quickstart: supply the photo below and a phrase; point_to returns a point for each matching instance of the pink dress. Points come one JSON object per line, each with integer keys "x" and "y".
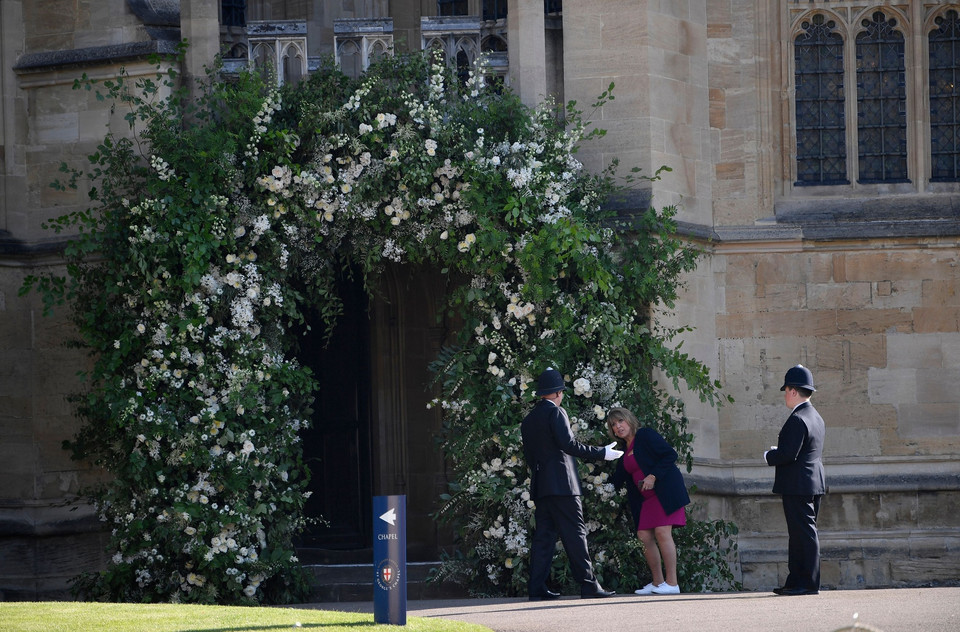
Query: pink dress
{"x": 652, "y": 514}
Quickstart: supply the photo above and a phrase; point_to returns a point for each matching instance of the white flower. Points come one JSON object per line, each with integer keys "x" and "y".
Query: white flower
{"x": 141, "y": 328}
{"x": 581, "y": 386}
{"x": 431, "y": 146}
{"x": 599, "y": 412}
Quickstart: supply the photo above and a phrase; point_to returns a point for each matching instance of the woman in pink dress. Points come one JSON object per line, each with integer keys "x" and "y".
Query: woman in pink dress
{"x": 656, "y": 493}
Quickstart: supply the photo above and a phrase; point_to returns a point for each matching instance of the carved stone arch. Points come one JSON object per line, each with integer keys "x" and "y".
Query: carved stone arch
{"x": 378, "y": 49}
{"x": 468, "y": 46}
{"x": 237, "y": 51}
{"x": 493, "y": 43}
{"x": 435, "y": 43}
{"x": 797, "y": 27}
{"x": 293, "y": 60}
{"x": 350, "y": 58}
{"x": 902, "y": 20}
{"x": 263, "y": 55}
{"x": 930, "y": 23}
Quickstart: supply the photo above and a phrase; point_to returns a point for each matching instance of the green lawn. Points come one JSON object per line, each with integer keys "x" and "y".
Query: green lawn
{"x": 71, "y": 616}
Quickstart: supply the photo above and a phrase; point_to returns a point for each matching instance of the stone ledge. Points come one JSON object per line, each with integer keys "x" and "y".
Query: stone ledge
{"x": 852, "y": 560}
{"x": 14, "y": 252}
{"x": 48, "y": 520}
{"x": 37, "y": 62}
{"x": 739, "y": 478}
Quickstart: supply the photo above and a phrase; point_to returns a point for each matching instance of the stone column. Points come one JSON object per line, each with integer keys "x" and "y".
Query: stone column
{"x": 655, "y": 54}
{"x": 11, "y": 178}
{"x": 200, "y": 26}
{"x": 527, "y": 50}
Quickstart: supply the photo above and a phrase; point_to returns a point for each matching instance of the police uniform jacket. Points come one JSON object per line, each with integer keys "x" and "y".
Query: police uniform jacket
{"x": 798, "y": 454}
{"x": 550, "y": 448}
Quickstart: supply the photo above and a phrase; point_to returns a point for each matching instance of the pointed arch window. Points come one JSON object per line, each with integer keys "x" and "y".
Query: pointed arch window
{"x": 820, "y": 125}
{"x": 881, "y": 102}
{"x": 945, "y": 99}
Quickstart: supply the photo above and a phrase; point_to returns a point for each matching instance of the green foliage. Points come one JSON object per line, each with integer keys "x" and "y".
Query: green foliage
{"x": 215, "y": 225}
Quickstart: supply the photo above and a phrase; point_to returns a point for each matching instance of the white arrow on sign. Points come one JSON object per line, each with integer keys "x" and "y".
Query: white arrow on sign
{"x": 390, "y": 517}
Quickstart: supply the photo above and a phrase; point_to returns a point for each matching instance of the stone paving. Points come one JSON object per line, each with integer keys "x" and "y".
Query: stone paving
{"x": 885, "y": 610}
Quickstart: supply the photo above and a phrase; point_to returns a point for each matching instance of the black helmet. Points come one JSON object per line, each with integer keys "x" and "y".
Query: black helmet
{"x": 550, "y": 381}
{"x": 798, "y": 377}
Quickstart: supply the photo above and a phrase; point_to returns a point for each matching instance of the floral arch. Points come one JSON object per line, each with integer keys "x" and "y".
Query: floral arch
{"x": 197, "y": 258}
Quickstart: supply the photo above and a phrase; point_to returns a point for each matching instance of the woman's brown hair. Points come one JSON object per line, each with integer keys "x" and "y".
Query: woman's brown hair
{"x": 616, "y": 414}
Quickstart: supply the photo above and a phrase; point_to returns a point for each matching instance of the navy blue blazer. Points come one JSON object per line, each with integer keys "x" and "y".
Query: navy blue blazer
{"x": 798, "y": 454}
{"x": 654, "y": 456}
{"x": 550, "y": 450}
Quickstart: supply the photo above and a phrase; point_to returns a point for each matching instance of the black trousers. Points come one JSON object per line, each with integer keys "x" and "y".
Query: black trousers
{"x": 563, "y": 516}
{"x": 803, "y": 554}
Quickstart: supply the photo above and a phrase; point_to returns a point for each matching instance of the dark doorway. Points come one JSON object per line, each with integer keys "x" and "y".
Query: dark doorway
{"x": 336, "y": 447}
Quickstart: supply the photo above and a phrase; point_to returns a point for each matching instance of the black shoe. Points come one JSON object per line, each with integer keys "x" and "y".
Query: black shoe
{"x": 790, "y": 592}
{"x": 546, "y": 595}
{"x": 596, "y": 592}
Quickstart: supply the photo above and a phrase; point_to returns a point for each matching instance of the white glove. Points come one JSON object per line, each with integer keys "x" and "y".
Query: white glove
{"x": 610, "y": 453}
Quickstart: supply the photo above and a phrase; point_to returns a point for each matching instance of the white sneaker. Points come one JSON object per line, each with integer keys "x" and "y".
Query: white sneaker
{"x": 646, "y": 590}
{"x": 665, "y": 589}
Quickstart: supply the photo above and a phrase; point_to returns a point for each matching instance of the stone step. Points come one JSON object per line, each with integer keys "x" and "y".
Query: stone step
{"x": 354, "y": 582}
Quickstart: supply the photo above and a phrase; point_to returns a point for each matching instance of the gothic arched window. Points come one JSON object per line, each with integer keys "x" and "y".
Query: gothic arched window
{"x": 944, "y": 99}
{"x": 881, "y": 102}
{"x": 821, "y": 130}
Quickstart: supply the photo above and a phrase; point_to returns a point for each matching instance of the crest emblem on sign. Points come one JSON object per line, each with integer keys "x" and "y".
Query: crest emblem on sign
{"x": 388, "y": 575}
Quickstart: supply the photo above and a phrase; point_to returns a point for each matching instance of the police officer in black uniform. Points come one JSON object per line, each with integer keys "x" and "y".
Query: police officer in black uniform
{"x": 800, "y": 481}
{"x": 550, "y": 450}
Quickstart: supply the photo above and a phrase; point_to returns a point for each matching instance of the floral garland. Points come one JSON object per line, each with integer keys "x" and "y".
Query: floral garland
{"x": 208, "y": 255}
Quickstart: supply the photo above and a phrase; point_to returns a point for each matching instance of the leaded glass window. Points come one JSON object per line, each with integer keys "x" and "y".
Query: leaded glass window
{"x": 821, "y": 141}
{"x": 881, "y": 102}
{"x": 451, "y": 7}
{"x": 944, "y": 102}
{"x": 494, "y": 9}
{"x": 234, "y": 12}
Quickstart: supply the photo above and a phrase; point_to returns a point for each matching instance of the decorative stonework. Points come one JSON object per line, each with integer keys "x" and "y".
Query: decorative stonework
{"x": 358, "y": 42}
{"x": 454, "y": 35}
{"x": 280, "y": 46}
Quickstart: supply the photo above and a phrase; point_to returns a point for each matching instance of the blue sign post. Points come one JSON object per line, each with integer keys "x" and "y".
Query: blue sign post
{"x": 390, "y": 560}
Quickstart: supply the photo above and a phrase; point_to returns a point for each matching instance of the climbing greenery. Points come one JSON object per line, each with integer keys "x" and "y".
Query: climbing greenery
{"x": 216, "y": 223}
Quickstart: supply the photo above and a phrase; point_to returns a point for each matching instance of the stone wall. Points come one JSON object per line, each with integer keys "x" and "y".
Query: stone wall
{"x": 860, "y": 287}
{"x": 48, "y": 534}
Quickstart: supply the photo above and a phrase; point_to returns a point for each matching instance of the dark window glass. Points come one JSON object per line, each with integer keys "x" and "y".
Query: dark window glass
{"x": 234, "y": 12}
{"x": 944, "y": 102}
{"x": 553, "y": 6}
{"x": 881, "y": 102}
{"x": 494, "y": 9}
{"x": 451, "y": 7}
{"x": 821, "y": 141}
